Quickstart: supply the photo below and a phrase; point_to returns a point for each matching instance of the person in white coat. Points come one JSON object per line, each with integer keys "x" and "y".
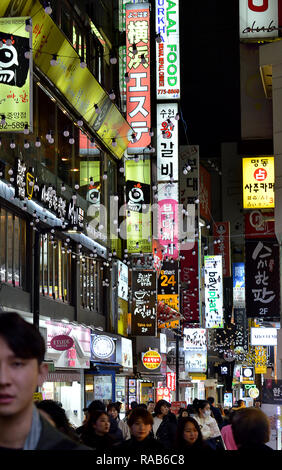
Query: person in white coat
{"x": 208, "y": 425}
{"x": 113, "y": 410}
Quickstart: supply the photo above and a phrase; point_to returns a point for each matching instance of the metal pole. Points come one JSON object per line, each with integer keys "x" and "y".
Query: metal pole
{"x": 36, "y": 279}
{"x": 177, "y": 367}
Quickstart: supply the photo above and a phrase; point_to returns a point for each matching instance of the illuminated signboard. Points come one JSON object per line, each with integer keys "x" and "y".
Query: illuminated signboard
{"x": 138, "y": 103}
{"x": 122, "y": 280}
{"x": 15, "y": 75}
{"x": 167, "y": 142}
{"x": 76, "y": 84}
{"x": 213, "y": 292}
{"x": 151, "y": 359}
{"x": 138, "y": 215}
{"x": 167, "y": 50}
{"x": 194, "y": 338}
{"x": 168, "y": 284}
{"x": 238, "y": 284}
{"x": 258, "y": 19}
{"x": 168, "y": 219}
{"x": 143, "y": 303}
{"x": 221, "y": 232}
{"x": 263, "y": 336}
{"x": 195, "y": 361}
{"x": 258, "y": 183}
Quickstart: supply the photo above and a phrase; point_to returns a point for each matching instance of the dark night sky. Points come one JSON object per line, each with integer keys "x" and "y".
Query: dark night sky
{"x": 210, "y": 103}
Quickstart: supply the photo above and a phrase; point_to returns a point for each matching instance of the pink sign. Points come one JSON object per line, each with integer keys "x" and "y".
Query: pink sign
{"x": 168, "y": 219}
{"x": 61, "y": 342}
{"x": 189, "y": 277}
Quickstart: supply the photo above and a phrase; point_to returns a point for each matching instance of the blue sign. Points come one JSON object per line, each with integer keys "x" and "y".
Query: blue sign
{"x": 238, "y": 284}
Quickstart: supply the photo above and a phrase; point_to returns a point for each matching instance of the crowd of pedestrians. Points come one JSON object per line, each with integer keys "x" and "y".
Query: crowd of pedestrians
{"x": 146, "y": 428}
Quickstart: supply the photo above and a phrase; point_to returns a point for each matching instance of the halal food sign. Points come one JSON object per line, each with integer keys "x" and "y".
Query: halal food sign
{"x": 151, "y": 360}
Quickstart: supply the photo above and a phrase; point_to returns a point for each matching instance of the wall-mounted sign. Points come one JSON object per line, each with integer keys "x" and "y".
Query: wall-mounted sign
{"x": 260, "y": 360}
{"x": 167, "y": 142}
{"x": 238, "y": 285}
{"x": 272, "y": 392}
{"x": 262, "y": 278}
{"x": 195, "y": 361}
{"x": 168, "y": 284}
{"x": 168, "y": 219}
{"x": 138, "y": 104}
{"x": 241, "y": 336}
{"x": 253, "y": 392}
{"x": 103, "y": 348}
{"x": 258, "y": 183}
{"x": 15, "y": 75}
{"x": 213, "y": 292}
{"x": 171, "y": 381}
{"x": 221, "y": 233}
{"x": 189, "y": 276}
{"x": 62, "y": 342}
{"x": 168, "y": 50}
{"x": 205, "y": 193}
{"x": 247, "y": 375}
{"x": 143, "y": 303}
{"x": 162, "y": 343}
{"x": 189, "y": 180}
{"x": 163, "y": 393}
{"x": 122, "y": 280}
{"x": 259, "y": 225}
{"x": 263, "y": 336}
{"x": 151, "y": 359}
{"x": 258, "y": 19}
{"x": 126, "y": 353}
{"x": 194, "y": 339}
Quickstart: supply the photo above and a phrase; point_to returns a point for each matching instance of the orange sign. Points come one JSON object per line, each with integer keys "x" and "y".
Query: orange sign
{"x": 151, "y": 360}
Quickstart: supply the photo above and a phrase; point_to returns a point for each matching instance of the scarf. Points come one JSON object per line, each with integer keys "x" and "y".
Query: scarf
{"x": 35, "y": 431}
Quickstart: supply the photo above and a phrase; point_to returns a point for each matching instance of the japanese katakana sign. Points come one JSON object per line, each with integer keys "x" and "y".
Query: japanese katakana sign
{"x": 262, "y": 278}
{"x": 143, "y": 307}
{"x": 138, "y": 105}
{"x": 167, "y": 142}
{"x": 258, "y": 183}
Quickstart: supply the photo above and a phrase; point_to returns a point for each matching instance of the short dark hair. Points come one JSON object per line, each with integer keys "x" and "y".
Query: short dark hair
{"x": 159, "y": 404}
{"x": 199, "y": 404}
{"x": 116, "y": 406}
{"x": 250, "y": 426}
{"x": 141, "y": 413}
{"x": 23, "y": 338}
{"x": 179, "y": 440}
{"x": 210, "y": 400}
{"x": 95, "y": 405}
{"x": 93, "y": 416}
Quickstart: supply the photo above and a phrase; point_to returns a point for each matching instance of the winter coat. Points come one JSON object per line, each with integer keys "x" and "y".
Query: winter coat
{"x": 124, "y": 429}
{"x": 148, "y": 445}
{"x": 52, "y": 439}
{"x": 217, "y": 416}
{"x": 227, "y": 436}
{"x": 209, "y": 427}
{"x": 98, "y": 443}
{"x": 166, "y": 431}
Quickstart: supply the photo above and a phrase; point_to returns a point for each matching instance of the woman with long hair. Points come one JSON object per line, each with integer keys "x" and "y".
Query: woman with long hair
{"x": 208, "y": 424}
{"x": 189, "y": 436}
{"x": 95, "y": 431}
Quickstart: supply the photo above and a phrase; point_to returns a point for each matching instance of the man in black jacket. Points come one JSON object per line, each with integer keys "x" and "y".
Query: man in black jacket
{"x": 22, "y": 370}
{"x": 216, "y": 412}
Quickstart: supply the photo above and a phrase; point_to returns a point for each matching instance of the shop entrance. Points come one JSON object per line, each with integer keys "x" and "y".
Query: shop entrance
{"x": 100, "y": 386}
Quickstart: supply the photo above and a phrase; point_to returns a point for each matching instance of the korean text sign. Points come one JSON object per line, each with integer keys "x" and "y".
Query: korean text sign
{"x": 221, "y": 232}
{"x": 167, "y": 142}
{"x": 168, "y": 51}
{"x": 258, "y": 183}
{"x": 195, "y": 339}
{"x": 15, "y": 75}
{"x": 213, "y": 292}
{"x": 168, "y": 219}
{"x": 138, "y": 103}
{"x": 168, "y": 284}
{"x": 262, "y": 278}
{"x": 143, "y": 303}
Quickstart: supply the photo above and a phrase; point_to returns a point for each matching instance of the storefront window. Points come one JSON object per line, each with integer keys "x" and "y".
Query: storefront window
{"x": 98, "y": 387}
{"x": 69, "y": 395}
{"x": 121, "y": 392}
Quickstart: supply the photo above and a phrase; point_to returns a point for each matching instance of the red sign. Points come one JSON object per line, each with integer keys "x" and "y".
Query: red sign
{"x": 221, "y": 233}
{"x": 259, "y": 225}
{"x": 205, "y": 194}
{"x": 176, "y": 405}
{"x": 260, "y": 174}
{"x": 138, "y": 103}
{"x": 189, "y": 277}
{"x": 259, "y": 8}
{"x": 171, "y": 381}
{"x": 62, "y": 342}
{"x": 163, "y": 393}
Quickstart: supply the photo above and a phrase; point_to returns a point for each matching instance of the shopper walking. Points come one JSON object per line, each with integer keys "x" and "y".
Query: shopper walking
{"x": 189, "y": 436}
{"x": 140, "y": 422}
{"x": 113, "y": 410}
{"x": 151, "y": 406}
{"x": 251, "y": 430}
{"x": 56, "y": 415}
{"x": 216, "y": 412}
{"x": 22, "y": 350}
{"x": 208, "y": 424}
{"x": 165, "y": 424}
{"x": 96, "y": 431}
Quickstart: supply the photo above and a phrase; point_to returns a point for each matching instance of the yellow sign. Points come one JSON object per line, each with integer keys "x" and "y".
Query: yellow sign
{"x": 169, "y": 324}
{"x": 254, "y": 392}
{"x": 15, "y": 71}
{"x": 77, "y": 84}
{"x": 169, "y": 299}
{"x": 258, "y": 183}
{"x": 151, "y": 360}
{"x": 197, "y": 376}
{"x": 37, "y": 396}
{"x": 260, "y": 360}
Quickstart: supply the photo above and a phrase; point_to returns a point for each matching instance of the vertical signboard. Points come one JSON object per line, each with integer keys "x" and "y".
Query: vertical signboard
{"x": 205, "y": 194}
{"x": 143, "y": 309}
{"x": 241, "y": 336}
{"x": 188, "y": 174}
{"x": 258, "y": 19}
{"x": 138, "y": 105}
{"x": 213, "y": 292}
{"x": 258, "y": 224}
{"x": 221, "y": 233}
{"x": 238, "y": 285}
{"x": 262, "y": 278}
{"x": 15, "y": 75}
{"x": 189, "y": 276}
{"x": 168, "y": 219}
{"x": 138, "y": 219}
{"x": 167, "y": 142}
{"x": 258, "y": 183}
{"x": 168, "y": 284}
{"x": 167, "y": 50}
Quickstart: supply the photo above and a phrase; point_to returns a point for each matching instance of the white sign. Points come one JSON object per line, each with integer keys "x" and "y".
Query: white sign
{"x": 195, "y": 361}
{"x": 258, "y": 19}
{"x": 162, "y": 343}
{"x": 122, "y": 281}
{"x": 213, "y": 292}
{"x": 168, "y": 51}
{"x": 194, "y": 339}
{"x": 263, "y": 336}
{"x": 103, "y": 346}
{"x": 167, "y": 142}
{"x": 126, "y": 353}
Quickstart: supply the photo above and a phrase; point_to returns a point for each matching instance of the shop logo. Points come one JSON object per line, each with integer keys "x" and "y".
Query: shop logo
{"x": 62, "y": 342}
{"x": 103, "y": 347}
{"x": 151, "y": 360}
{"x": 14, "y": 66}
{"x": 260, "y": 174}
{"x": 258, "y": 8}
{"x": 136, "y": 196}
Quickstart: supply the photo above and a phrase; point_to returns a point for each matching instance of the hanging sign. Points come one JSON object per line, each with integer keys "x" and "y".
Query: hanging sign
{"x": 61, "y": 342}
{"x": 122, "y": 280}
{"x": 213, "y": 292}
{"x": 258, "y": 183}
{"x": 168, "y": 50}
{"x": 189, "y": 276}
{"x": 167, "y": 142}
{"x": 151, "y": 359}
{"x": 238, "y": 285}
{"x": 103, "y": 348}
{"x": 263, "y": 336}
{"x": 168, "y": 219}
{"x": 168, "y": 284}
{"x": 221, "y": 233}
{"x": 143, "y": 303}
{"x": 258, "y": 19}
{"x": 15, "y": 75}
{"x": 259, "y": 225}
{"x": 194, "y": 339}
{"x": 205, "y": 193}
{"x": 171, "y": 381}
